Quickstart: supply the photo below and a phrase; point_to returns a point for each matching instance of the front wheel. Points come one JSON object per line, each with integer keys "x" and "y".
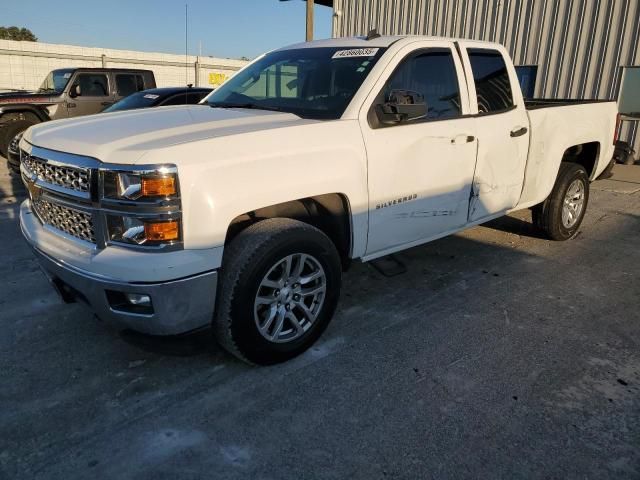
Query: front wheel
{"x": 11, "y": 136}
{"x": 279, "y": 287}
{"x": 561, "y": 214}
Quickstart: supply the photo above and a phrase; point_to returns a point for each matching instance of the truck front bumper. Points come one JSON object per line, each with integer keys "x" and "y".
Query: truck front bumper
{"x": 176, "y": 306}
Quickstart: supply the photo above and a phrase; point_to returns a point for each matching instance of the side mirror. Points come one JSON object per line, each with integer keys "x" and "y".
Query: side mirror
{"x": 75, "y": 91}
{"x": 401, "y": 106}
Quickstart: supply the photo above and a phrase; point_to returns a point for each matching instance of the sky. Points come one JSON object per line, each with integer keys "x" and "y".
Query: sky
{"x": 226, "y": 28}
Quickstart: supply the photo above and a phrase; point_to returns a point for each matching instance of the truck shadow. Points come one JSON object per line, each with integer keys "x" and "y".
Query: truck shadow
{"x": 442, "y": 267}
{"x": 187, "y": 345}
{"x": 517, "y": 226}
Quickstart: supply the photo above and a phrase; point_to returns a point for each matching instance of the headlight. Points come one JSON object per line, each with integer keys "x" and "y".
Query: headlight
{"x": 135, "y": 186}
{"x": 141, "y": 231}
{"x": 142, "y": 205}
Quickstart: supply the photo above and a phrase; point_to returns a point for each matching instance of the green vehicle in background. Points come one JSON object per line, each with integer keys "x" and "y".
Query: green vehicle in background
{"x": 66, "y": 93}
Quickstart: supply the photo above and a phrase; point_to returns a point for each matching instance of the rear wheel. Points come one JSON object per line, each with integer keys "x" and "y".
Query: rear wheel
{"x": 561, "y": 214}
{"x": 279, "y": 287}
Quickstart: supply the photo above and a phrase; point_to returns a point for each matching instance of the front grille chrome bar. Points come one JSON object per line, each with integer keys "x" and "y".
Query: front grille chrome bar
{"x": 70, "y": 221}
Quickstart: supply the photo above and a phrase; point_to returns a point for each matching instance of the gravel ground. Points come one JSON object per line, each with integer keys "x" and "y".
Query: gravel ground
{"x": 498, "y": 354}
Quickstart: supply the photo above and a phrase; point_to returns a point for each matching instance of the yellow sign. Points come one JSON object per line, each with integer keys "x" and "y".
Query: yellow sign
{"x": 217, "y": 78}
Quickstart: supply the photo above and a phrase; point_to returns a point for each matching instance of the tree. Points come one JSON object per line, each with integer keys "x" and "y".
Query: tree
{"x": 15, "y": 33}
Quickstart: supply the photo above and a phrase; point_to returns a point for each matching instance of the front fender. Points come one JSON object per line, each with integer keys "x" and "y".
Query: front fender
{"x": 225, "y": 177}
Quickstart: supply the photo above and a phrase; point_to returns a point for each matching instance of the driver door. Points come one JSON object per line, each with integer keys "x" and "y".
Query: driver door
{"x": 94, "y": 96}
{"x": 420, "y": 172}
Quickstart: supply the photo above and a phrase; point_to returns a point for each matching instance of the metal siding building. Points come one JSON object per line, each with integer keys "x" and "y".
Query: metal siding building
{"x": 578, "y": 46}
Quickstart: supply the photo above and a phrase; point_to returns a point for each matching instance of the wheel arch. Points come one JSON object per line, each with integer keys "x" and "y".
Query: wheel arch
{"x": 585, "y": 154}
{"x": 23, "y": 112}
{"x": 330, "y": 213}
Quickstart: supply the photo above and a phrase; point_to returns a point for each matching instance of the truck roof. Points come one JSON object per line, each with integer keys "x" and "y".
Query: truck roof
{"x": 362, "y": 42}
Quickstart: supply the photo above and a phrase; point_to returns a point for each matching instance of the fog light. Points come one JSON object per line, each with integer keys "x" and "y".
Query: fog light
{"x": 138, "y": 299}
{"x": 124, "y": 302}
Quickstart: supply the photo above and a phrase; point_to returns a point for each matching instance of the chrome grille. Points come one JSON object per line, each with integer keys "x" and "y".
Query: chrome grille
{"x": 70, "y": 221}
{"x": 73, "y": 178}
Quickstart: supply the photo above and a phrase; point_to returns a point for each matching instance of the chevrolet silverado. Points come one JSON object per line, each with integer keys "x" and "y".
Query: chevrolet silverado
{"x": 240, "y": 214}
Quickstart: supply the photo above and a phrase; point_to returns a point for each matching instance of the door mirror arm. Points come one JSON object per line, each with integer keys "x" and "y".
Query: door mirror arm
{"x": 388, "y": 115}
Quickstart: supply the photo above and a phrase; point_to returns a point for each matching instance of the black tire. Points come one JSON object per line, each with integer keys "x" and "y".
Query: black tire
{"x": 9, "y": 131}
{"x": 246, "y": 261}
{"x": 547, "y": 216}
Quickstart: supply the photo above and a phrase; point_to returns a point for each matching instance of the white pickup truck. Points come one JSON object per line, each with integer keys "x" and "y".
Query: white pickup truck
{"x": 242, "y": 212}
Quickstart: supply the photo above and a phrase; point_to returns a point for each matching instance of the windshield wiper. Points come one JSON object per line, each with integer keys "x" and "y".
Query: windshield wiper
{"x": 251, "y": 106}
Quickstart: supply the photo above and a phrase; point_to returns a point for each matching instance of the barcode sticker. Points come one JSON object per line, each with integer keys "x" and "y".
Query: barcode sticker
{"x": 356, "y": 52}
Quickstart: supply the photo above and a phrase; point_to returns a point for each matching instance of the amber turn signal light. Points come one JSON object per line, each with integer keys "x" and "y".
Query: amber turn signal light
{"x": 158, "y": 187}
{"x": 162, "y": 231}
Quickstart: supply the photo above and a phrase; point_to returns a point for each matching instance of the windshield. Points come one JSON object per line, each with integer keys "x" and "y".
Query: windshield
{"x": 314, "y": 83}
{"x": 135, "y": 100}
{"x": 56, "y": 80}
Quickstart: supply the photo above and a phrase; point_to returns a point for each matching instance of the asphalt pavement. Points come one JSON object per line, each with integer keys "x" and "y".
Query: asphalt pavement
{"x": 498, "y": 354}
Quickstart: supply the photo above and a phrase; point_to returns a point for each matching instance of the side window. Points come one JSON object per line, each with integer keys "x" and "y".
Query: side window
{"x": 177, "y": 99}
{"x": 432, "y": 74}
{"x": 527, "y": 75}
{"x": 128, "y": 83}
{"x": 491, "y": 78}
{"x": 195, "y": 97}
{"x": 92, "y": 84}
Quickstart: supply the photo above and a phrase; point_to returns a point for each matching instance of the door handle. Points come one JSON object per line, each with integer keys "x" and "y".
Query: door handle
{"x": 71, "y": 105}
{"x": 106, "y": 104}
{"x": 518, "y": 132}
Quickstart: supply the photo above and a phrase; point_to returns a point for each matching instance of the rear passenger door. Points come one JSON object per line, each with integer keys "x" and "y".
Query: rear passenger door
{"x": 502, "y": 129}
{"x": 127, "y": 83}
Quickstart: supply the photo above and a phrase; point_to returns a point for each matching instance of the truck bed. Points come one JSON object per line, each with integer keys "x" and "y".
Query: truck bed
{"x": 557, "y": 125}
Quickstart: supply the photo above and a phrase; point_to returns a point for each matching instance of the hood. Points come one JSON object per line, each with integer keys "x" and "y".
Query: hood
{"x": 124, "y": 137}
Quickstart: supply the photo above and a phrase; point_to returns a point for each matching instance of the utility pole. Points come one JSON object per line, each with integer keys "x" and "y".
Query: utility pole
{"x": 310, "y": 4}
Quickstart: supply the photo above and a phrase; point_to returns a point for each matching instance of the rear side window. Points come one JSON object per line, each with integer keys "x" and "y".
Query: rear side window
{"x": 128, "y": 83}
{"x": 432, "y": 74}
{"x": 491, "y": 78}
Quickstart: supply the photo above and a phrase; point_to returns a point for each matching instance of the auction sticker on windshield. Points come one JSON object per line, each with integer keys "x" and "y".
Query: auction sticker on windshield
{"x": 356, "y": 52}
